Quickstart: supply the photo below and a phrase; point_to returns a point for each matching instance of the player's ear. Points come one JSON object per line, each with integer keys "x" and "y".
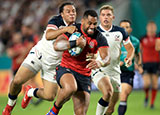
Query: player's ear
{"x": 130, "y": 29}
{"x": 62, "y": 14}
{"x": 113, "y": 17}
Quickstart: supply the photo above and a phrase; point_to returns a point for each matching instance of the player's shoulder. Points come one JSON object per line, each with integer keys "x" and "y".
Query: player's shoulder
{"x": 56, "y": 20}
{"x": 134, "y": 39}
{"x": 117, "y": 28}
{"x": 143, "y": 37}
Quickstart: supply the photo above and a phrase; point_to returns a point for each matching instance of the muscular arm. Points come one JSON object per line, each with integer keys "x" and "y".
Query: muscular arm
{"x": 105, "y": 58}
{"x": 53, "y": 34}
{"x": 157, "y": 46}
{"x": 104, "y": 61}
{"x": 62, "y": 44}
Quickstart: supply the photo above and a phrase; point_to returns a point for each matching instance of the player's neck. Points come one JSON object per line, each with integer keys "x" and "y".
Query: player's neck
{"x": 106, "y": 27}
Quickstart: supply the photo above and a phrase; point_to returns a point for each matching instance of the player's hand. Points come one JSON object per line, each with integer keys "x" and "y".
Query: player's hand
{"x": 90, "y": 56}
{"x": 94, "y": 64}
{"x": 81, "y": 42}
{"x": 70, "y": 29}
{"x": 121, "y": 63}
{"x": 140, "y": 69}
{"x": 128, "y": 62}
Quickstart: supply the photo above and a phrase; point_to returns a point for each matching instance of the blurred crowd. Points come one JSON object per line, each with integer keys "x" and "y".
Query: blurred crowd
{"x": 34, "y": 14}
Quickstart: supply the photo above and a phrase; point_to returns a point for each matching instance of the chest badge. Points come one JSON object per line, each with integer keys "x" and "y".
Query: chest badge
{"x": 117, "y": 38}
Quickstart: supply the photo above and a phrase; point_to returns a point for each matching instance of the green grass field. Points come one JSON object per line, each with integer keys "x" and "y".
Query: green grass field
{"x": 135, "y": 106}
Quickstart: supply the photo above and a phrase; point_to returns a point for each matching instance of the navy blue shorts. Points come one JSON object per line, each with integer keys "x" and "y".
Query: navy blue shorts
{"x": 151, "y": 68}
{"x": 83, "y": 82}
{"x": 127, "y": 77}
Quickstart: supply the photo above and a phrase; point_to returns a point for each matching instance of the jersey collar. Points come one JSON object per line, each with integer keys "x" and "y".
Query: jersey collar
{"x": 104, "y": 29}
{"x": 65, "y": 22}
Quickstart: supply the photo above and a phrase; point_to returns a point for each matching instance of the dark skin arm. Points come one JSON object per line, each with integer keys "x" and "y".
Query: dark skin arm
{"x": 62, "y": 44}
{"x": 94, "y": 64}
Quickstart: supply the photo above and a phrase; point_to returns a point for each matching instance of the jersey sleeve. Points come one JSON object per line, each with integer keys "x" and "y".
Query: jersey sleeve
{"x": 54, "y": 22}
{"x": 101, "y": 40}
{"x": 137, "y": 49}
{"x": 125, "y": 36}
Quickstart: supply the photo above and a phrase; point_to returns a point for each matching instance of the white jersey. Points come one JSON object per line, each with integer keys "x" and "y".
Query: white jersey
{"x": 43, "y": 56}
{"x": 115, "y": 36}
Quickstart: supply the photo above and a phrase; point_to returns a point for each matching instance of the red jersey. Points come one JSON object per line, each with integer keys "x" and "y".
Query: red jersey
{"x": 15, "y": 62}
{"x": 79, "y": 63}
{"x": 149, "y": 54}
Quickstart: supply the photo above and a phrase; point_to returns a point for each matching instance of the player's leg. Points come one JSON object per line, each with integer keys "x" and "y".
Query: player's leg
{"x": 112, "y": 103}
{"x": 16, "y": 86}
{"x": 154, "y": 89}
{"x": 126, "y": 90}
{"x": 147, "y": 82}
{"x": 81, "y": 102}
{"x": 126, "y": 86}
{"x": 102, "y": 82}
{"x": 48, "y": 92}
{"x": 115, "y": 81}
{"x": 105, "y": 87}
{"x": 68, "y": 86}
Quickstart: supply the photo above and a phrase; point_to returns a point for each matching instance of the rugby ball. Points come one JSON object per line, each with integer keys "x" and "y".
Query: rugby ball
{"x": 76, "y": 50}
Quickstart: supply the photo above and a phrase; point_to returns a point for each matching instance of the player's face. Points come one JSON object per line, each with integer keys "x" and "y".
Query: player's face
{"x": 126, "y": 26}
{"x": 106, "y": 17}
{"x": 89, "y": 25}
{"x": 151, "y": 29}
{"x": 69, "y": 14}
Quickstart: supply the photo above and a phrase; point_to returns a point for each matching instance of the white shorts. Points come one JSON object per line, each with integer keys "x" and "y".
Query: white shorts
{"x": 35, "y": 61}
{"x": 97, "y": 75}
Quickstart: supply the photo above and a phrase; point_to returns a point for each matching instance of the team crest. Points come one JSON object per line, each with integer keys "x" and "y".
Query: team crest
{"x": 91, "y": 44}
{"x": 117, "y": 37}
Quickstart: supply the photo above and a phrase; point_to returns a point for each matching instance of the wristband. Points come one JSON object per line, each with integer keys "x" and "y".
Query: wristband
{"x": 72, "y": 43}
{"x": 102, "y": 63}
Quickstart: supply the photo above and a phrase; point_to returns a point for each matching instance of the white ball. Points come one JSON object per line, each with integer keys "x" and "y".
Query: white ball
{"x": 76, "y": 50}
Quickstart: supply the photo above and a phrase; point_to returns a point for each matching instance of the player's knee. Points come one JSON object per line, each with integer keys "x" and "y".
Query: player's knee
{"x": 17, "y": 82}
{"x": 108, "y": 93}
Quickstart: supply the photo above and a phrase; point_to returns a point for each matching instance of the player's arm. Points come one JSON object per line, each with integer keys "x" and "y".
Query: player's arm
{"x": 102, "y": 62}
{"x": 138, "y": 58}
{"x": 130, "y": 53}
{"x": 157, "y": 46}
{"x": 62, "y": 43}
{"x": 104, "y": 59}
{"x": 53, "y": 33}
